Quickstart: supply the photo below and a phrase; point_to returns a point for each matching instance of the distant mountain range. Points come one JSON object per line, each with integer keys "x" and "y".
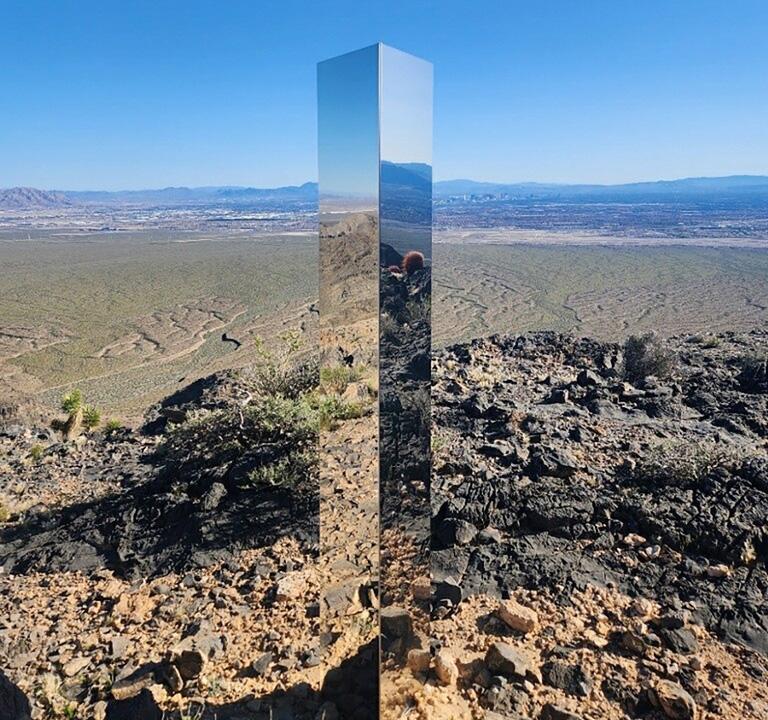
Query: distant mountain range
{"x": 22, "y": 198}
{"x": 734, "y": 186}
{"x": 660, "y": 189}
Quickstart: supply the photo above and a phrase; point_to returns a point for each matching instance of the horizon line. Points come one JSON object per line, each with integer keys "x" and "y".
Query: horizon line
{"x": 544, "y": 183}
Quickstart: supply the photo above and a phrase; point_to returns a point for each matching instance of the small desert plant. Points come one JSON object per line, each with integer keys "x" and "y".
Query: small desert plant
{"x": 389, "y": 328}
{"x": 417, "y": 311}
{"x": 412, "y": 262}
{"x": 72, "y": 402}
{"x": 5, "y": 513}
{"x": 335, "y": 379}
{"x": 36, "y": 452}
{"x": 332, "y": 409}
{"x": 287, "y": 472}
{"x": 91, "y": 417}
{"x": 271, "y": 435}
{"x": 112, "y": 426}
{"x": 683, "y": 464}
{"x": 281, "y": 372}
{"x": 644, "y": 355}
{"x": 753, "y": 375}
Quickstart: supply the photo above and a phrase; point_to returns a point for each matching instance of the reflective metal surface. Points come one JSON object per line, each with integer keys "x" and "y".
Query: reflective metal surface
{"x": 375, "y": 148}
{"x": 405, "y": 211}
{"x": 348, "y": 150}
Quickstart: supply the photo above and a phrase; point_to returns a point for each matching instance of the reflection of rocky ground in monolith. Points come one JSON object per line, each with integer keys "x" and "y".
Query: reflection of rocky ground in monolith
{"x": 404, "y": 431}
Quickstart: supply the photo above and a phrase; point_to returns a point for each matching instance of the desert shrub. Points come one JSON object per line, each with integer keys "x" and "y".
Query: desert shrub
{"x": 112, "y": 425}
{"x": 72, "y": 402}
{"x": 682, "y": 464}
{"x": 753, "y": 373}
{"x": 644, "y": 355}
{"x": 5, "y": 513}
{"x": 36, "y": 452}
{"x": 413, "y": 261}
{"x": 288, "y": 471}
{"x": 270, "y": 435}
{"x": 417, "y": 311}
{"x": 80, "y": 415}
{"x": 335, "y": 379}
{"x": 705, "y": 340}
{"x": 332, "y": 409}
{"x": 91, "y": 417}
{"x": 389, "y": 328}
{"x": 281, "y": 370}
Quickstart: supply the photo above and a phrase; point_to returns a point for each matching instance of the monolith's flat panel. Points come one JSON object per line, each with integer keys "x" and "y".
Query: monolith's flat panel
{"x": 348, "y": 125}
{"x": 405, "y": 213}
{"x": 375, "y": 151}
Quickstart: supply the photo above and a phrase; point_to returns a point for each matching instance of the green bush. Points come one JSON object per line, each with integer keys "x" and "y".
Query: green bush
{"x": 36, "y": 452}
{"x": 279, "y": 434}
{"x": 283, "y": 373}
{"x": 112, "y": 425}
{"x": 91, "y": 417}
{"x": 72, "y": 402}
{"x": 335, "y": 379}
{"x": 332, "y": 409}
{"x": 644, "y": 355}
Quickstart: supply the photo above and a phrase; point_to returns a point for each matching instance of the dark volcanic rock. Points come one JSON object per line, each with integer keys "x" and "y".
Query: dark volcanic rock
{"x": 571, "y": 678}
{"x": 680, "y": 462}
{"x": 141, "y": 706}
{"x": 13, "y": 702}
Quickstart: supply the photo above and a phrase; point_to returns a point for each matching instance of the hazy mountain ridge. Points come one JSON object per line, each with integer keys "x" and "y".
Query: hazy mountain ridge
{"x": 19, "y": 198}
{"x": 663, "y": 189}
{"x": 727, "y": 187}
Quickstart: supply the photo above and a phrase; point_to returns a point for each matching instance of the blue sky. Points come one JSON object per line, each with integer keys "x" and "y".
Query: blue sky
{"x": 116, "y": 94}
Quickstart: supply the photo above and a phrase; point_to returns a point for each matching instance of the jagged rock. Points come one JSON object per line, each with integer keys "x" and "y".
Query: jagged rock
{"x": 396, "y": 623}
{"x": 505, "y": 660}
{"x": 13, "y": 702}
{"x": 449, "y": 590}
{"x": 262, "y": 664}
{"x": 142, "y": 706}
{"x": 554, "y": 463}
{"x": 453, "y": 531}
{"x": 674, "y": 701}
{"x": 517, "y": 616}
{"x": 556, "y": 712}
{"x": 419, "y": 660}
{"x": 131, "y": 682}
{"x": 445, "y": 668}
{"x": 190, "y": 663}
{"x": 679, "y": 640}
{"x": 588, "y": 378}
{"x": 573, "y": 679}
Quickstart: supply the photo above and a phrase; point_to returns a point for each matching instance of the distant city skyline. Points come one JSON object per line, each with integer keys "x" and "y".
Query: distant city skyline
{"x": 152, "y": 95}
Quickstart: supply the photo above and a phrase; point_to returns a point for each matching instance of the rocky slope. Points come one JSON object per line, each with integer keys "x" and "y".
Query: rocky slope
{"x": 554, "y": 471}
{"x": 599, "y": 546}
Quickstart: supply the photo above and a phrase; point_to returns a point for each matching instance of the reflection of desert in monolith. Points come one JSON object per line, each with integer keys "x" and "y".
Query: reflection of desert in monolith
{"x": 348, "y": 143}
{"x": 349, "y": 516}
{"x": 405, "y": 259}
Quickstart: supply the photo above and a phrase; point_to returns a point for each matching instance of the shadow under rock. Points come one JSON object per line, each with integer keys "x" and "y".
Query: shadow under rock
{"x": 350, "y": 691}
{"x": 166, "y": 524}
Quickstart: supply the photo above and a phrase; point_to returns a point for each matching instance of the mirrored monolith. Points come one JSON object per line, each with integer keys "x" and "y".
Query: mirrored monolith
{"x": 375, "y": 185}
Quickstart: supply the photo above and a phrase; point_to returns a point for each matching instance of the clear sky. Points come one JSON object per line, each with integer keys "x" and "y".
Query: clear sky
{"x": 133, "y": 94}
